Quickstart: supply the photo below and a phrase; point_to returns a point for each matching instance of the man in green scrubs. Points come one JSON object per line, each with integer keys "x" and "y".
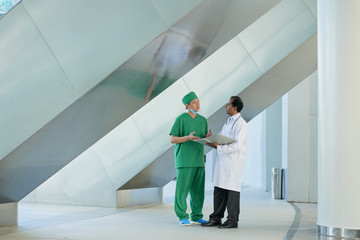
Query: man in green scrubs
{"x": 189, "y": 160}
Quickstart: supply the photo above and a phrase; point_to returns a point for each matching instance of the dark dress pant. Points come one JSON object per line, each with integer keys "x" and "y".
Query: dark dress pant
{"x": 226, "y": 199}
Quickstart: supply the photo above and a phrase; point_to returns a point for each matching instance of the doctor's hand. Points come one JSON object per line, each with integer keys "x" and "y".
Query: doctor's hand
{"x": 209, "y": 133}
{"x": 191, "y": 137}
{"x": 213, "y": 145}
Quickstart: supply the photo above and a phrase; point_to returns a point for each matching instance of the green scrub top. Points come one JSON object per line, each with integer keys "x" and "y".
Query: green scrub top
{"x": 189, "y": 153}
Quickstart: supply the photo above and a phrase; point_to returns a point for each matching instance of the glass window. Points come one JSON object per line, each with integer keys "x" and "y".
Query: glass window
{"x": 6, "y": 5}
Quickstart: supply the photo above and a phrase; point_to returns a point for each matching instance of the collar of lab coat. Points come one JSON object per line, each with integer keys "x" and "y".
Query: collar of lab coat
{"x": 233, "y": 117}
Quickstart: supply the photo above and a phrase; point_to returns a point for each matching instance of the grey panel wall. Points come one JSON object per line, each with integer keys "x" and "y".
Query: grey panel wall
{"x": 111, "y": 101}
{"x": 53, "y": 52}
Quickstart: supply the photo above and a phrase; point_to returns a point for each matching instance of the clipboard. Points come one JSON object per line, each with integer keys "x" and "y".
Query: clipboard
{"x": 218, "y": 138}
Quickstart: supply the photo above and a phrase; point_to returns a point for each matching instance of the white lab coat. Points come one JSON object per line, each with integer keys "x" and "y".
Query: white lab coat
{"x": 231, "y": 158}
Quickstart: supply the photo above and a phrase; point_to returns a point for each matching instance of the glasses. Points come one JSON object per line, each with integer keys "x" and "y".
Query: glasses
{"x": 228, "y": 105}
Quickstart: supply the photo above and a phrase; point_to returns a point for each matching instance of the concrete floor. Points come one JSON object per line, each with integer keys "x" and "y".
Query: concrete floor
{"x": 261, "y": 218}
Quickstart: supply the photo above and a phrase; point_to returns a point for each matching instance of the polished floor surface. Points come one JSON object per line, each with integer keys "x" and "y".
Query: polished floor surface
{"x": 261, "y": 218}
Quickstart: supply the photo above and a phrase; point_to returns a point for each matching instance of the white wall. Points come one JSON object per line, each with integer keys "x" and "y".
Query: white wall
{"x": 302, "y": 141}
{"x": 284, "y": 131}
{"x": 273, "y": 140}
{"x": 254, "y": 170}
{"x": 285, "y": 136}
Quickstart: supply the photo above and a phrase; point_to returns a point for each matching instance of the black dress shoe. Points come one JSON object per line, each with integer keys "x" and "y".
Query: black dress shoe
{"x": 211, "y": 223}
{"x": 228, "y": 225}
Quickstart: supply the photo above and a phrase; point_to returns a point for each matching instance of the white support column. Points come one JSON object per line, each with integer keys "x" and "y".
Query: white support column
{"x": 339, "y": 118}
{"x": 298, "y": 143}
{"x": 8, "y": 214}
{"x": 273, "y": 140}
{"x": 302, "y": 141}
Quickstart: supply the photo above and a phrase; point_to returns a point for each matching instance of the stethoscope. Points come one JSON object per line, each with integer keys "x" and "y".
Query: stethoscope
{"x": 231, "y": 130}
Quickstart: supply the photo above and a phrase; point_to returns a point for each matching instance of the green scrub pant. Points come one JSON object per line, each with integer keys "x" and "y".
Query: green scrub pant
{"x": 190, "y": 180}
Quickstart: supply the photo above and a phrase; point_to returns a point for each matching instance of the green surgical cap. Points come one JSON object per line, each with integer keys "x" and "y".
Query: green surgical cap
{"x": 189, "y": 97}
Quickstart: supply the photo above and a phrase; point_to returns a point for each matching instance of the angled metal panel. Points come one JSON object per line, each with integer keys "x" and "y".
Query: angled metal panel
{"x": 53, "y": 52}
{"x": 257, "y": 97}
{"x": 257, "y": 94}
{"x": 110, "y": 102}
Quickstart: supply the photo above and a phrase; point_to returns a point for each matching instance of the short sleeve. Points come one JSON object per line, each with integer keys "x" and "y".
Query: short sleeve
{"x": 175, "y": 130}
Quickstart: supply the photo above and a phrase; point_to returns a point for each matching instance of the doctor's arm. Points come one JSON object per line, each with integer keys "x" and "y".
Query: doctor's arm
{"x": 213, "y": 145}
{"x": 241, "y": 139}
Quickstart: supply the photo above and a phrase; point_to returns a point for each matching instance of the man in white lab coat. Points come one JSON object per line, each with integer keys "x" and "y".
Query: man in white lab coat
{"x": 229, "y": 168}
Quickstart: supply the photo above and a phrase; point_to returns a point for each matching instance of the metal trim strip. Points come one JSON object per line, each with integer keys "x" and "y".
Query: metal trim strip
{"x": 338, "y": 232}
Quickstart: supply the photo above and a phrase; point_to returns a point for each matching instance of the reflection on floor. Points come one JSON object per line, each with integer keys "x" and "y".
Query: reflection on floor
{"x": 261, "y": 218}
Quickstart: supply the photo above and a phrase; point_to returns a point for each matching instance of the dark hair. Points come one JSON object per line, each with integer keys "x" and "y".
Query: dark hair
{"x": 237, "y": 102}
